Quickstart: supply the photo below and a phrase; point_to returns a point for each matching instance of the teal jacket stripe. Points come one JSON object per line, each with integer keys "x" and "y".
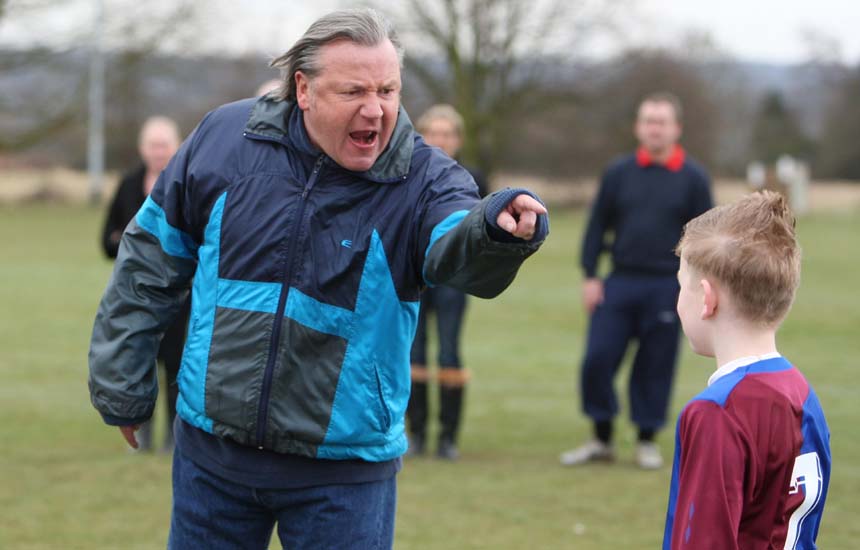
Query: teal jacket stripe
{"x": 249, "y": 295}
{"x": 191, "y": 404}
{"x": 367, "y": 419}
{"x": 263, "y": 297}
{"x": 319, "y": 316}
{"x": 439, "y": 231}
{"x": 174, "y": 242}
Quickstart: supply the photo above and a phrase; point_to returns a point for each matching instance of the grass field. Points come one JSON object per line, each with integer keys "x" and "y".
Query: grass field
{"x": 66, "y": 480}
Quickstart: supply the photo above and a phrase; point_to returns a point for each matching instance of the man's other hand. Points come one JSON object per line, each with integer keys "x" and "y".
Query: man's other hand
{"x": 128, "y": 434}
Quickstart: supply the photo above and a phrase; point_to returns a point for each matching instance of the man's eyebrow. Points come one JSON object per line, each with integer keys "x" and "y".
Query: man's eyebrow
{"x": 356, "y": 84}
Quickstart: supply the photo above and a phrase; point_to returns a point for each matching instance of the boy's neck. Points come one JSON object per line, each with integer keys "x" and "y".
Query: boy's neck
{"x": 738, "y": 342}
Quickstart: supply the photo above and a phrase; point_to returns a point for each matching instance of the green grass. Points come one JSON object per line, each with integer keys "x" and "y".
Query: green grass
{"x": 66, "y": 480}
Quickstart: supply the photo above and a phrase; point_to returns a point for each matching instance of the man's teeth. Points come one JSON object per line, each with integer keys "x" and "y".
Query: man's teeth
{"x": 366, "y": 137}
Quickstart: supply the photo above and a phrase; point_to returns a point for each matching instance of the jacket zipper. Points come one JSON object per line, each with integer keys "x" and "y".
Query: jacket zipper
{"x": 263, "y": 411}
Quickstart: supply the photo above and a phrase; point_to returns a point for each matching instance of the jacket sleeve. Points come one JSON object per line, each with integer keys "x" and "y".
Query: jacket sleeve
{"x": 462, "y": 246}
{"x": 150, "y": 282}
{"x": 711, "y": 473}
{"x": 599, "y": 222}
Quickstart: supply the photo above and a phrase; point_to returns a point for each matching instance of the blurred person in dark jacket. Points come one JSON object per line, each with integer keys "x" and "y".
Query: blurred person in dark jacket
{"x": 442, "y": 127}
{"x": 158, "y": 140}
{"x": 644, "y": 200}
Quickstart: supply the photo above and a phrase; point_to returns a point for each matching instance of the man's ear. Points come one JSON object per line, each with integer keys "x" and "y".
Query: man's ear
{"x": 709, "y": 299}
{"x": 303, "y": 90}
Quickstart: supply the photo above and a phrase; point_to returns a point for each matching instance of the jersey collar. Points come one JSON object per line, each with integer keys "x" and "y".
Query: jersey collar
{"x": 732, "y": 366}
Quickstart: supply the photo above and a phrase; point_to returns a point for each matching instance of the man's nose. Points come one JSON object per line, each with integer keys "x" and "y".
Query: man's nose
{"x": 371, "y": 108}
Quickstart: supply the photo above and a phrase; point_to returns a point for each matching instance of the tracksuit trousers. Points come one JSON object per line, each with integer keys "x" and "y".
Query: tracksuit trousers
{"x": 640, "y": 307}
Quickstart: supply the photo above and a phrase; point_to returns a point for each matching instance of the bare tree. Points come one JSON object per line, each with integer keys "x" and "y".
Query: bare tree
{"x": 493, "y": 59}
{"x": 47, "y": 77}
{"x": 776, "y": 131}
{"x": 29, "y": 114}
{"x": 838, "y": 156}
{"x": 578, "y": 138}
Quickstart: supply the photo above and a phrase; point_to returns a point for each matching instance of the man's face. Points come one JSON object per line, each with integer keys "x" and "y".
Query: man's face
{"x": 442, "y": 133}
{"x": 350, "y": 107}
{"x": 690, "y": 307}
{"x": 158, "y": 143}
{"x": 657, "y": 127}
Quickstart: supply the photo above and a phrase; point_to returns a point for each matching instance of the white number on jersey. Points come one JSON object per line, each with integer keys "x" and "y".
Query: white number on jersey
{"x": 806, "y": 472}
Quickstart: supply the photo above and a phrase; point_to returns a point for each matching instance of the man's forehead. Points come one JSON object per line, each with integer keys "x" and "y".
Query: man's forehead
{"x": 656, "y": 107}
{"x": 347, "y": 59}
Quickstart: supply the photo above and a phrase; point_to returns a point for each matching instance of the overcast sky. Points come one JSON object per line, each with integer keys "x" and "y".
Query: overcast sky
{"x": 766, "y": 30}
{"x": 779, "y": 31}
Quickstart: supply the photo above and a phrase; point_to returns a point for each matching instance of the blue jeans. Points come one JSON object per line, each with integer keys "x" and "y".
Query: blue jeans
{"x": 450, "y": 307}
{"x": 214, "y": 513}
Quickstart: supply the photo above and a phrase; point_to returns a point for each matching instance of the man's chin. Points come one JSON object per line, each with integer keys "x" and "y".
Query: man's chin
{"x": 359, "y": 164}
{"x": 658, "y": 148}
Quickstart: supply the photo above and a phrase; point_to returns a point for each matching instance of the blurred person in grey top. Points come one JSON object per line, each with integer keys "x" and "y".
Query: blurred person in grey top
{"x": 309, "y": 222}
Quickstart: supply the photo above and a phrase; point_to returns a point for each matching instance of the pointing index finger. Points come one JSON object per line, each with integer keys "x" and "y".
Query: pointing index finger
{"x": 527, "y": 203}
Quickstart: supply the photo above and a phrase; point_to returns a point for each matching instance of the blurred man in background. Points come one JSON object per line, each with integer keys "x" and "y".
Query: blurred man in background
{"x": 644, "y": 201}
{"x": 442, "y": 126}
{"x": 158, "y": 140}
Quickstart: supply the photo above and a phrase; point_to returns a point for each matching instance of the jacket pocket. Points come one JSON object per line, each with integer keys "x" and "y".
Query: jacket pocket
{"x": 382, "y": 408}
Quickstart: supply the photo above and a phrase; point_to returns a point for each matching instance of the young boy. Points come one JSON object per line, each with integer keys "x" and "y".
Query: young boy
{"x": 752, "y": 451}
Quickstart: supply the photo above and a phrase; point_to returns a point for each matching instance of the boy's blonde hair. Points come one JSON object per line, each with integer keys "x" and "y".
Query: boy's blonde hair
{"x": 750, "y": 247}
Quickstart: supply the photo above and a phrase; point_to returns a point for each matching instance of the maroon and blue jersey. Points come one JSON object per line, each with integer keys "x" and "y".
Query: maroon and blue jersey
{"x": 752, "y": 462}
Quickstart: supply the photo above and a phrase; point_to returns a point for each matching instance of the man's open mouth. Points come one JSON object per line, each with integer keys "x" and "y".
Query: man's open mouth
{"x": 364, "y": 137}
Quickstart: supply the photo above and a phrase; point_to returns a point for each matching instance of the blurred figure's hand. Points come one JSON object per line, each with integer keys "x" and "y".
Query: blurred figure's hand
{"x": 592, "y": 294}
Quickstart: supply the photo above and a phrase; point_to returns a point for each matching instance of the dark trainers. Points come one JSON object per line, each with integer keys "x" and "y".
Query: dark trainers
{"x": 447, "y": 450}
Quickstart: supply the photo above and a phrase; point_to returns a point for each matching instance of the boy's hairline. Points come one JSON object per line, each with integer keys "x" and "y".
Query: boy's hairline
{"x": 697, "y": 273}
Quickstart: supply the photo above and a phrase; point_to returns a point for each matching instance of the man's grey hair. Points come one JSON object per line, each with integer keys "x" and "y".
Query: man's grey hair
{"x": 363, "y": 26}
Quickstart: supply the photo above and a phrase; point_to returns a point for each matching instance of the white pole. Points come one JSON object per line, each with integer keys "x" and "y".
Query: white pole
{"x": 95, "y": 143}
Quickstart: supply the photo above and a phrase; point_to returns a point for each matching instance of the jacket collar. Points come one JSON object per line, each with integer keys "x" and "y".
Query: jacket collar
{"x": 673, "y": 163}
{"x": 283, "y": 121}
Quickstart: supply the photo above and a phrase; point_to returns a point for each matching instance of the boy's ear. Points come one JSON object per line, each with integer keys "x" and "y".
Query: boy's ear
{"x": 709, "y": 299}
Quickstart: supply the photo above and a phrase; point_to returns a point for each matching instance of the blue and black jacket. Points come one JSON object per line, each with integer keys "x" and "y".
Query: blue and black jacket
{"x": 305, "y": 282}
